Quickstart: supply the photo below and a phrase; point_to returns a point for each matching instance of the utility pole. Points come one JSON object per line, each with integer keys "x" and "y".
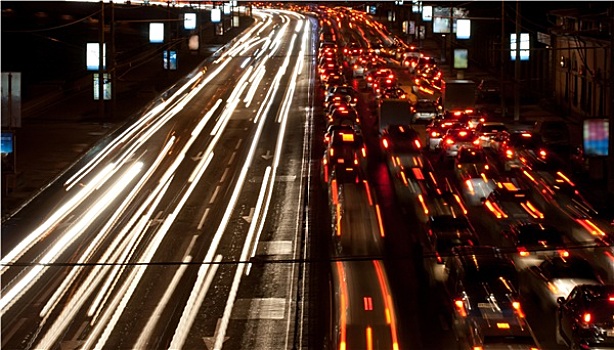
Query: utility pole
{"x": 517, "y": 66}
{"x": 112, "y": 63}
{"x": 502, "y": 60}
{"x": 610, "y": 168}
{"x": 101, "y": 57}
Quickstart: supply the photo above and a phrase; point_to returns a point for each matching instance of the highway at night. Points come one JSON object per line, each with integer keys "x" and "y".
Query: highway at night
{"x": 270, "y": 202}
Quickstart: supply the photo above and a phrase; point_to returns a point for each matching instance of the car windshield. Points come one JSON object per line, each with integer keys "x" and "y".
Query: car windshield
{"x": 572, "y": 269}
{"x": 448, "y": 222}
{"x": 493, "y": 128}
{"x": 471, "y": 156}
{"x": 534, "y": 236}
{"x": 525, "y": 140}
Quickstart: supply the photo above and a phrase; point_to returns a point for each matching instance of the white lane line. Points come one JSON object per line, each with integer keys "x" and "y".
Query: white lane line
{"x": 217, "y": 189}
{"x": 146, "y": 333}
{"x": 202, "y": 220}
{"x": 7, "y": 336}
{"x": 232, "y": 294}
{"x": 232, "y": 158}
{"x": 224, "y": 175}
{"x": 238, "y": 144}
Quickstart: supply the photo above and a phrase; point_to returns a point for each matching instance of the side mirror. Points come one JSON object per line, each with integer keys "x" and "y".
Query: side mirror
{"x": 560, "y": 300}
{"x": 482, "y": 200}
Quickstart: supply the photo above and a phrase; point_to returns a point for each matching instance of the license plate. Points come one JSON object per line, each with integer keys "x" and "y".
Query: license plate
{"x": 610, "y": 333}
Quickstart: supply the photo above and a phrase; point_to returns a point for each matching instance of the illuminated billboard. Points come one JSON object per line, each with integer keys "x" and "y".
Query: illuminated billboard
{"x": 524, "y": 46}
{"x": 156, "y": 33}
{"x": 189, "y": 21}
{"x": 596, "y": 134}
{"x": 463, "y": 28}
{"x": 92, "y": 58}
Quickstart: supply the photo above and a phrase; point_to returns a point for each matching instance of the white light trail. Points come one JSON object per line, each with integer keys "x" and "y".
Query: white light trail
{"x": 58, "y": 215}
{"x": 25, "y": 283}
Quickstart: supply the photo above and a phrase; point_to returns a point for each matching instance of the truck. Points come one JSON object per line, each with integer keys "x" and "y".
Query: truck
{"x": 458, "y": 96}
{"x": 394, "y": 112}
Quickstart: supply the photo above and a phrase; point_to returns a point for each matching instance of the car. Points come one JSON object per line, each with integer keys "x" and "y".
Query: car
{"x": 482, "y": 287}
{"x": 535, "y": 241}
{"x": 555, "y": 277}
{"x": 488, "y": 130}
{"x": 510, "y": 201}
{"x": 554, "y": 133}
{"x": 519, "y": 148}
{"x": 489, "y": 91}
{"x": 474, "y": 174}
{"x": 455, "y": 138}
{"x": 352, "y": 51}
{"x": 339, "y": 92}
{"x": 382, "y": 83}
{"x": 400, "y": 139}
{"x": 373, "y": 74}
{"x": 444, "y": 232}
{"x": 343, "y": 125}
{"x": 345, "y": 149}
{"x": 342, "y": 112}
{"x": 404, "y": 52}
{"x": 393, "y": 92}
{"x": 425, "y": 110}
{"x": 585, "y": 319}
{"x": 436, "y": 130}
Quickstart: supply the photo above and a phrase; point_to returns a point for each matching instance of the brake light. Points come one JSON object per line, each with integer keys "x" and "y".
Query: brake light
{"x": 449, "y": 141}
{"x": 542, "y": 153}
{"x": 460, "y": 307}
{"x": 462, "y": 133}
{"x": 468, "y": 111}
{"x": 564, "y": 253}
{"x": 457, "y": 113}
{"x": 385, "y": 143}
{"x": 516, "y": 306}
{"x": 486, "y": 167}
{"x": 509, "y": 153}
{"x": 434, "y": 134}
{"x": 586, "y": 317}
{"x": 417, "y": 143}
{"x": 523, "y": 251}
{"x": 611, "y": 299}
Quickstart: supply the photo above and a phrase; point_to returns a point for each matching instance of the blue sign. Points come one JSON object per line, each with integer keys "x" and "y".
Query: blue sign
{"x": 6, "y": 142}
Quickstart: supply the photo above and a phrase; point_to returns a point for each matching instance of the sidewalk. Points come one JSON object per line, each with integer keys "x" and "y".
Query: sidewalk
{"x": 55, "y": 136}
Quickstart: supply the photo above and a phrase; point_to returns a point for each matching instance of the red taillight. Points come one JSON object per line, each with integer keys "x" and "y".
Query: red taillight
{"x": 564, "y": 253}
{"x": 523, "y": 252}
{"x": 385, "y": 143}
{"x": 434, "y": 134}
{"x": 516, "y": 306}
{"x": 417, "y": 143}
{"x": 457, "y": 113}
{"x": 509, "y": 153}
{"x": 460, "y": 307}
{"x": 586, "y": 317}
{"x": 449, "y": 141}
{"x": 542, "y": 153}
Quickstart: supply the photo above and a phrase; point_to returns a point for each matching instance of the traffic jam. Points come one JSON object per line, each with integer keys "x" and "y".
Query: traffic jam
{"x": 499, "y": 220}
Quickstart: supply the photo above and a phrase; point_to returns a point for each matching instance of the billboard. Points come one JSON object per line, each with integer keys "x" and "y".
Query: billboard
{"x": 524, "y": 46}
{"x": 427, "y": 13}
{"x": 463, "y": 28}
{"x": 441, "y": 25}
{"x": 461, "y": 60}
{"x": 170, "y": 59}
{"x": 156, "y": 33}
{"x": 216, "y": 15}
{"x": 596, "y": 135}
{"x": 189, "y": 21}
{"x": 92, "y": 56}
